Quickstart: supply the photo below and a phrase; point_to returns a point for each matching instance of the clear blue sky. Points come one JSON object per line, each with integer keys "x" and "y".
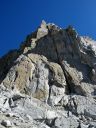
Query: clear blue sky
{"x": 20, "y": 17}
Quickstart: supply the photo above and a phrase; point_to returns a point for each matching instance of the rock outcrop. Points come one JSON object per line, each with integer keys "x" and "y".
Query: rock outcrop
{"x": 50, "y": 81}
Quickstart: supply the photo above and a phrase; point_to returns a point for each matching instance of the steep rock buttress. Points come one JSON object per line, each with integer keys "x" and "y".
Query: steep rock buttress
{"x": 57, "y": 67}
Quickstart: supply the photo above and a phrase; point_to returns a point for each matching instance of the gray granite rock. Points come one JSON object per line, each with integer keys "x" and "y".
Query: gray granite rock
{"x": 66, "y": 123}
{"x": 50, "y": 81}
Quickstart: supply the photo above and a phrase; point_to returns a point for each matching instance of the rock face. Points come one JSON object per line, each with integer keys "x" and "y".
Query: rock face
{"x": 50, "y": 81}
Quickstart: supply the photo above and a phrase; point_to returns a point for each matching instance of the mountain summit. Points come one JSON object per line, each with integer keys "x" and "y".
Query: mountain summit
{"x": 50, "y": 81}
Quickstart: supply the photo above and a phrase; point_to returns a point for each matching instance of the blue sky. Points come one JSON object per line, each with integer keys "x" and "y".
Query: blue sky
{"x": 18, "y": 18}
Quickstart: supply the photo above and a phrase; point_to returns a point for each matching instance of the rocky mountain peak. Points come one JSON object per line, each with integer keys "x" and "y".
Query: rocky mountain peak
{"x": 50, "y": 81}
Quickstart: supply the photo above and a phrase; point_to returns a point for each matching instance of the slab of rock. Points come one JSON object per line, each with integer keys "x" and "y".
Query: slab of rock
{"x": 66, "y": 123}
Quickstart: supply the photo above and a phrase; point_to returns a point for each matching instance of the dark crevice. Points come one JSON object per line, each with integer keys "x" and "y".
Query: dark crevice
{"x": 69, "y": 89}
{"x": 48, "y": 101}
{"x": 75, "y": 105}
{"x": 50, "y": 83}
{"x": 5, "y": 101}
{"x": 50, "y": 122}
{"x": 79, "y": 126}
{"x": 16, "y": 75}
{"x": 17, "y": 97}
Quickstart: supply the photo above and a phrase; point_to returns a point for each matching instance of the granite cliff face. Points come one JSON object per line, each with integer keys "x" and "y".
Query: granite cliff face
{"x": 50, "y": 81}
